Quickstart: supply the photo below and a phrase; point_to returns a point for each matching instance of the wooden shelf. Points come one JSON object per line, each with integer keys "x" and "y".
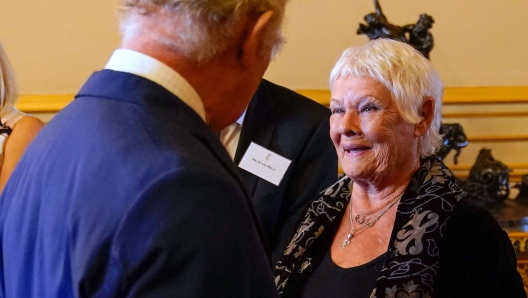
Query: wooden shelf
{"x": 485, "y": 115}
{"x": 497, "y": 139}
{"x": 452, "y": 96}
{"x": 43, "y": 103}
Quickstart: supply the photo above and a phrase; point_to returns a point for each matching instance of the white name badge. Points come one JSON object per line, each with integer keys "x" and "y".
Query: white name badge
{"x": 264, "y": 163}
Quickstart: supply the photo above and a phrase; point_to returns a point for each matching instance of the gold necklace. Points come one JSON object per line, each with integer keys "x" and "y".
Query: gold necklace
{"x": 370, "y": 222}
{"x": 360, "y": 219}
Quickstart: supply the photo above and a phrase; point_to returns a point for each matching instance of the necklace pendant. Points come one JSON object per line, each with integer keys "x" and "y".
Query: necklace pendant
{"x": 347, "y": 240}
{"x": 360, "y": 221}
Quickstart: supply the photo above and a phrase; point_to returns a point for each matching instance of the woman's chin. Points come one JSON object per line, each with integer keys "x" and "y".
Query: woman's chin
{"x": 358, "y": 173}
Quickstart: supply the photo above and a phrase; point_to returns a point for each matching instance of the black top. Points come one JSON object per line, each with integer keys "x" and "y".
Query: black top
{"x": 469, "y": 256}
{"x": 331, "y": 281}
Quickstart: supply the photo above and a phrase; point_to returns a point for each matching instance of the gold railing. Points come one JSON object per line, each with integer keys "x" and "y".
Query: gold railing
{"x": 43, "y": 103}
{"x": 454, "y": 95}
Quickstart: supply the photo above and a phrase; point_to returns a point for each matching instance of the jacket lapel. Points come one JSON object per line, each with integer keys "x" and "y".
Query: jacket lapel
{"x": 258, "y": 127}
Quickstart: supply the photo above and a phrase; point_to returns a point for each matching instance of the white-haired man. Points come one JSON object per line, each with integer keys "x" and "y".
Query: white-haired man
{"x": 127, "y": 192}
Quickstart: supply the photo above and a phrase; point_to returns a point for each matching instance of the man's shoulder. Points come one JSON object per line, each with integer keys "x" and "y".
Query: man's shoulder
{"x": 95, "y": 133}
{"x": 285, "y": 98}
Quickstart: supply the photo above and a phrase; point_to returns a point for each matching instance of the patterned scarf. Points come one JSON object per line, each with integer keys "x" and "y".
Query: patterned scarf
{"x": 413, "y": 254}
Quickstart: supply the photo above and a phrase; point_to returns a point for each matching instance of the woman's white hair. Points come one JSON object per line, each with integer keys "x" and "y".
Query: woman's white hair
{"x": 406, "y": 73}
{"x": 8, "y": 83}
{"x": 209, "y": 26}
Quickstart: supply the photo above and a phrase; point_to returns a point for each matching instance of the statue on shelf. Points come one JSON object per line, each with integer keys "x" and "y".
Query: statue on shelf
{"x": 488, "y": 186}
{"x": 417, "y": 35}
{"x": 513, "y": 214}
{"x": 454, "y": 138}
{"x": 488, "y": 179}
{"x": 522, "y": 196}
{"x": 379, "y": 27}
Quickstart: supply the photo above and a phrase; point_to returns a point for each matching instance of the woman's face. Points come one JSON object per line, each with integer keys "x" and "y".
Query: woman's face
{"x": 371, "y": 138}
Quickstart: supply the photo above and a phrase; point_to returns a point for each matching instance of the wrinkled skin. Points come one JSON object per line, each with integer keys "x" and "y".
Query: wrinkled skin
{"x": 375, "y": 145}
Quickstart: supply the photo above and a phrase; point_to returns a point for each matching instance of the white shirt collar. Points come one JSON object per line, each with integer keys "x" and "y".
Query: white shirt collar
{"x": 133, "y": 62}
{"x": 240, "y": 119}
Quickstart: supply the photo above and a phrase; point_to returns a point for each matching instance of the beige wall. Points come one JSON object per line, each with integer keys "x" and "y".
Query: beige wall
{"x": 478, "y": 43}
{"x": 56, "y": 44}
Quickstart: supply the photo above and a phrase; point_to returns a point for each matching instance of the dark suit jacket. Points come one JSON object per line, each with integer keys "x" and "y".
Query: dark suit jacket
{"x": 126, "y": 193}
{"x": 297, "y": 128}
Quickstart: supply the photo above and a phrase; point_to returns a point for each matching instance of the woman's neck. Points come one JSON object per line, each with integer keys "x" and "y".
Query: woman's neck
{"x": 383, "y": 188}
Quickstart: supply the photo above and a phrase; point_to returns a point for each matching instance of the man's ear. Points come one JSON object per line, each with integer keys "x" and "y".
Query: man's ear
{"x": 428, "y": 109}
{"x": 251, "y": 45}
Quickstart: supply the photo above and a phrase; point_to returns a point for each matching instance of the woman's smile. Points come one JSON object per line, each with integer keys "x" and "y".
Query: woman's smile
{"x": 355, "y": 150}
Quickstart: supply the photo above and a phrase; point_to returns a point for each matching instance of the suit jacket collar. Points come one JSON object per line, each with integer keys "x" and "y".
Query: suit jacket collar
{"x": 259, "y": 127}
{"x": 137, "y": 90}
{"x": 129, "y": 61}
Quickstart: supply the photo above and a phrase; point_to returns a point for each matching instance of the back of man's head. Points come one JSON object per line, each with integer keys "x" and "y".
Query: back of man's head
{"x": 196, "y": 29}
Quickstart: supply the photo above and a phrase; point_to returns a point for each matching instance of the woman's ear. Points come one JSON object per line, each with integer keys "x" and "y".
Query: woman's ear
{"x": 427, "y": 113}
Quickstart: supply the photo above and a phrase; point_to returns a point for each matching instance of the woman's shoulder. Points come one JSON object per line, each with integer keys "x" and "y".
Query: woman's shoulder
{"x": 28, "y": 123}
{"x": 472, "y": 233}
{"x": 473, "y": 226}
{"x": 11, "y": 116}
{"x": 477, "y": 257}
{"x": 468, "y": 216}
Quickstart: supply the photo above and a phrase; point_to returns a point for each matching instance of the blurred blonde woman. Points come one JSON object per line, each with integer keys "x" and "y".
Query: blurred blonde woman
{"x": 17, "y": 129}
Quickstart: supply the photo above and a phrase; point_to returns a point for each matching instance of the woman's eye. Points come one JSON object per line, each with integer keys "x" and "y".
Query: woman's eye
{"x": 368, "y": 109}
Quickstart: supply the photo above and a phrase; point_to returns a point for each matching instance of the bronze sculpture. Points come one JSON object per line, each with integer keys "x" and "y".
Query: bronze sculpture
{"x": 453, "y": 138}
{"x": 488, "y": 186}
{"x": 379, "y": 27}
{"x": 522, "y": 196}
{"x": 417, "y": 35}
{"x": 491, "y": 174}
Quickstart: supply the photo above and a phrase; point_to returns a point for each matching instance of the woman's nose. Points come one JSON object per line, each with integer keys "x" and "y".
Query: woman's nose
{"x": 350, "y": 124}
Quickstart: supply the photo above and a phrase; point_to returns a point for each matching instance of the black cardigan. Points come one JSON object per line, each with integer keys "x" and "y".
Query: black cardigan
{"x": 477, "y": 258}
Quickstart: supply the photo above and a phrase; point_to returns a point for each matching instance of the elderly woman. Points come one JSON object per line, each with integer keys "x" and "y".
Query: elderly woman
{"x": 17, "y": 129}
{"x": 396, "y": 225}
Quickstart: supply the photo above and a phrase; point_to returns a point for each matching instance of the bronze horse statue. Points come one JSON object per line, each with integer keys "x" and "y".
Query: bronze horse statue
{"x": 379, "y": 27}
{"x": 417, "y": 35}
{"x": 453, "y": 138}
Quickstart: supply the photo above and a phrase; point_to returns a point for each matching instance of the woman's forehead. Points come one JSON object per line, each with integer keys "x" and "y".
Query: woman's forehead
{"x": 353, "y": 86}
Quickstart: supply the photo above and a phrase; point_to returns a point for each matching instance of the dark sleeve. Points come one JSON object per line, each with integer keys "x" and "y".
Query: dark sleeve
{"x": 477, "y": 258}
{"x": 191, "y": 235}
{"x": 314, "y": 170}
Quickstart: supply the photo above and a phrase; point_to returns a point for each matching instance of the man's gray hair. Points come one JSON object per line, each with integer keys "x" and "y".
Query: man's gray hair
{"x": 406, "y": 73}
{"x": 196, "y": 29}
{"x": 8, "y": 83}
